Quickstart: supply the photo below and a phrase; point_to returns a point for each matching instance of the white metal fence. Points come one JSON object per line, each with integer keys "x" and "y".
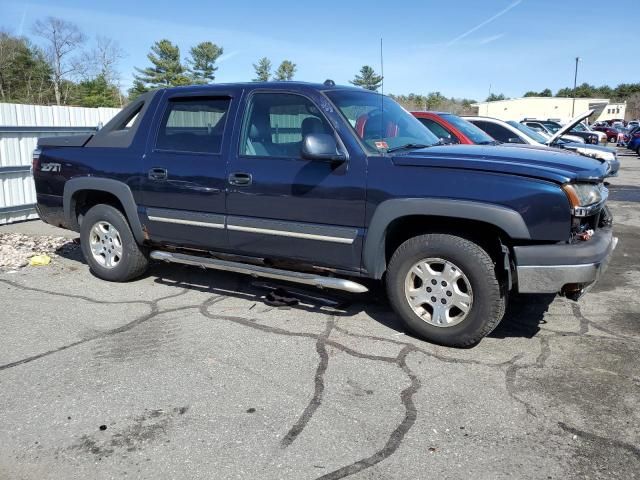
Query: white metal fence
{"x": 20, "y": 127}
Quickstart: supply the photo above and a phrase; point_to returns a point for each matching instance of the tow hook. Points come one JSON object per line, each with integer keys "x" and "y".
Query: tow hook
{"x": 573, "y": 291}
{"x": 586, "y": 235}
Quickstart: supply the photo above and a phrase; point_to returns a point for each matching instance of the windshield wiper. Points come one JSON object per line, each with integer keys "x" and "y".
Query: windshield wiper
{"x": 408, "y": 146}
{"x": 489, "y": 142}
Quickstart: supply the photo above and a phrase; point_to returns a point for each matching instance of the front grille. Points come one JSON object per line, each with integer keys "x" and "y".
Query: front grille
{"x": 582, "y": 228}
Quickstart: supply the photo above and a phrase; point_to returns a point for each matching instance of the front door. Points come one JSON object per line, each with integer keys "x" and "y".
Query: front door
{"x": 281, "y": 205}
{"x": 183, "y": 191}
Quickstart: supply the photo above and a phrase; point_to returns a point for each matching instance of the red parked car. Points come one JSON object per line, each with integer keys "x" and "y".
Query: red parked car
{"x": 610, "y": 132}
{"x": 450, "y": 128}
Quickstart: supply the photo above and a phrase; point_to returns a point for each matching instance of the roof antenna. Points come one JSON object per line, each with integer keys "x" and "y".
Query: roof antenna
{"x": 382, "y": 96}
{"x": 381, "y": 67}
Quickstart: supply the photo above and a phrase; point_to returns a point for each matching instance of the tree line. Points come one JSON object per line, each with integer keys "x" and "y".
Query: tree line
{"x": 59, "y": 65}
{"x": 620, "y": 93}
{"x": 60, "y": 69}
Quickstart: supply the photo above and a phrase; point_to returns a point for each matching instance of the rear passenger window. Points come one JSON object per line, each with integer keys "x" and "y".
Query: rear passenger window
{"x": 193, "y": 125}
{"x": 496, "y": 131}
{"x": 276, "y": 123}
{"x": 438, "y": 130}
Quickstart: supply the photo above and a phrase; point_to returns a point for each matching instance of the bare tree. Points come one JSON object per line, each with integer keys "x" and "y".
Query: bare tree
{"x": 104, "y": 58}
{"x": 62, "y": 41}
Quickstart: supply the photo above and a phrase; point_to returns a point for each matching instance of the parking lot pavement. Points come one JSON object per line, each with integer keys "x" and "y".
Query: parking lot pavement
{"x": 190, "y": 374}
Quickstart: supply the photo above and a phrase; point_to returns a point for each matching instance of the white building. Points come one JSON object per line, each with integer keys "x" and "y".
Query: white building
{"x": 556, "y": 108}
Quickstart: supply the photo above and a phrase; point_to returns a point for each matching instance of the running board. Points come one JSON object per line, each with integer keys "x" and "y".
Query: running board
{"x": 260, "y": 271}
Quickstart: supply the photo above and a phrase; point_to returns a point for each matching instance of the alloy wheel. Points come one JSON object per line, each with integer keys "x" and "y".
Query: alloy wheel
{"x": 438, "y": 292}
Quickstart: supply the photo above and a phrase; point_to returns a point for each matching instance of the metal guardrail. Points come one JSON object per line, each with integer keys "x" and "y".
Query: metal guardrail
{"x": 30, "y": 129}
{"x": 14, "y": 169}
{"x": 23, "y": 170}
{"x": 26, "y": 207}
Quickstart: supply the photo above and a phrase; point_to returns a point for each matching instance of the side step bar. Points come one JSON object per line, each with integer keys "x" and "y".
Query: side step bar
{"x": 260, "y": 271}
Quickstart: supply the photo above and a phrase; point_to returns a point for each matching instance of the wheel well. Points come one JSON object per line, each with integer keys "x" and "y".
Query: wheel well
{"x": 488, "y": 236}
{"x": 83, "y": 200}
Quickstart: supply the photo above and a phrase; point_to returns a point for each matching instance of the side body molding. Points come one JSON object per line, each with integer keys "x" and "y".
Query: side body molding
{"x": 373, "y": 255}
{"x": 119, "y": 189}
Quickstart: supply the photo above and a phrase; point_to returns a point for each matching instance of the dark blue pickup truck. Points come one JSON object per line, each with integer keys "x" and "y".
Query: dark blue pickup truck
{"x": 326, "y": 185}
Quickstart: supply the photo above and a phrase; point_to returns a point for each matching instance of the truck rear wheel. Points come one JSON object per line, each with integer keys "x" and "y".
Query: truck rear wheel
{"x": 445, "y": 289}
{"x": 109, "y": 246}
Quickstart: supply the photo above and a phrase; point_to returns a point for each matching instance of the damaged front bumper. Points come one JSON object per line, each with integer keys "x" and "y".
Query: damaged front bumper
{"x": 570, "y": 269}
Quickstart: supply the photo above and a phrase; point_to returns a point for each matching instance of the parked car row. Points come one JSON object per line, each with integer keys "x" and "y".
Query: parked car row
{"x": 633, "y": 142}
{"x": 548, "y": 128}
{"x": 477, "y": 130}
{"x": 617, "y": 122}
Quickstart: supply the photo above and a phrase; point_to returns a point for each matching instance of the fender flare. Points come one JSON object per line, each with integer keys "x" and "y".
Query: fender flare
{"x": 115, "y": 187}
{"x": 373, "y": 254}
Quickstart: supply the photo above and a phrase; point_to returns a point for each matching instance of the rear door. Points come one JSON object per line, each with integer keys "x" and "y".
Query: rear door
{"x": 498, "y": 132}
{"x": 281, "y": 205}
{"x": 183, "y": 192}
{"x": 445, "y": 135}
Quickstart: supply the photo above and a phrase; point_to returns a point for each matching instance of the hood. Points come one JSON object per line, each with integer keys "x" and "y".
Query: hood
{"x": 536, "y": 162}
{"x": 572, "y": 138}
{"x": 572, "y": 123}
{"x": 588, "y": 146}
{"x": 603, "y": 154}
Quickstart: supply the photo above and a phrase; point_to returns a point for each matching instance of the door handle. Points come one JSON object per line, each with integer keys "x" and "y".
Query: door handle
{"x": 240, "y": 179}
{"x": 158, "y": 174}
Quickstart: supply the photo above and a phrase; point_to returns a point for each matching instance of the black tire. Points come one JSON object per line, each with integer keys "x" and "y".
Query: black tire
{"x": 134, "y": 261}
{"x": 489, "y": 296}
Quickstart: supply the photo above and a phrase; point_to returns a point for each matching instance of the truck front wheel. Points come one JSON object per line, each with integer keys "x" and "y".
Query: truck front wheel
{"x": 445, "y": 289}
{"x": 109, "y": 246}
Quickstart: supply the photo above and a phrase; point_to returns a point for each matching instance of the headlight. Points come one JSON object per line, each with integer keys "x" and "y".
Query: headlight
{"x": 585, "y": 197}
{"x": 597, "y": 154}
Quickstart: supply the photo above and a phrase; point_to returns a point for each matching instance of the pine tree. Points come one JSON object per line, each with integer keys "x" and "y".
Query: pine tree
{"x": 495, "y": 98}
{"x": 368, "y": 79}
{"x": 202, "y": 62}
{"x": 286, "y": 70}
{"x": 167, "y": 69}
{"x": 97, "y": 92}
{"x": 25, "y": 75}
{"x": 137, "y": 89}
{"x": 263, "y": 70}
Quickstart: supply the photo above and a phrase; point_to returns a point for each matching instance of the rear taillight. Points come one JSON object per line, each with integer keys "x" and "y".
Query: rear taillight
{"x": 35, "y": 164}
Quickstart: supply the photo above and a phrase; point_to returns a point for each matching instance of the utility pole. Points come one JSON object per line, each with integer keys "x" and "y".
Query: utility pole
{"x": 575, "y": 84}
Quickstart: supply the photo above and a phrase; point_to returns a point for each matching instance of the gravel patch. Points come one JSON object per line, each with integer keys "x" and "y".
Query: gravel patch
{"x": 16, "y": 249}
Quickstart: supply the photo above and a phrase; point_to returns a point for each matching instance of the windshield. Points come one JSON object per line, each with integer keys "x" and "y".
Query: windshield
{"x": 475, "y": 134}
{"x": 380, "y": 122}
{"x": 580, "y": 128}
{"x": 552, "y": 126}
{"x": 528, "y": 132}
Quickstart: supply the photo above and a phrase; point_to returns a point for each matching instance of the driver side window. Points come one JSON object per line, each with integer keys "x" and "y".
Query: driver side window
{"x": 276, "y": 123}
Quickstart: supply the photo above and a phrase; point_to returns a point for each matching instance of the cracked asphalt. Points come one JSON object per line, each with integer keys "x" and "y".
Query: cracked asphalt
{"x": 186, "y": 374}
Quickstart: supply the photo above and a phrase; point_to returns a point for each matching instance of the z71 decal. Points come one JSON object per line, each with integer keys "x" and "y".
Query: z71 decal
{"x": 50, "y": 167}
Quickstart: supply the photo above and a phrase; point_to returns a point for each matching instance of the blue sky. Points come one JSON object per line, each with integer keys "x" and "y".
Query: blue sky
{"x": 459, "y": 48}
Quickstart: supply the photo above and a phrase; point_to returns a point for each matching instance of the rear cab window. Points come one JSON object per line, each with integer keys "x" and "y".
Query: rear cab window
{"x": 193, "y": 124}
